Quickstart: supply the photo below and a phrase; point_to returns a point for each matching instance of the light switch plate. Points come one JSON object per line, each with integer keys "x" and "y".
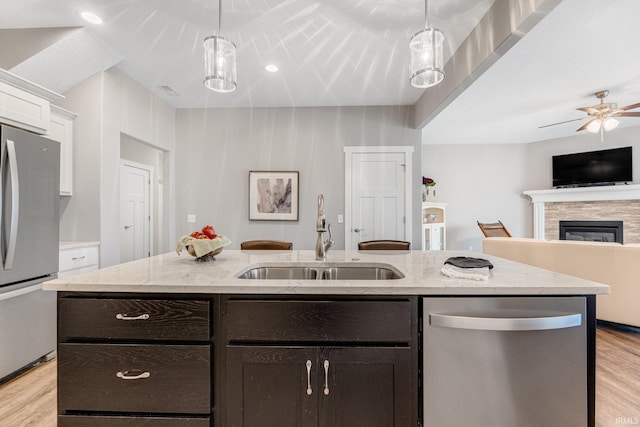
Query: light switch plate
{"x": 191, "y": 218}
{"x": 340, "y": 219}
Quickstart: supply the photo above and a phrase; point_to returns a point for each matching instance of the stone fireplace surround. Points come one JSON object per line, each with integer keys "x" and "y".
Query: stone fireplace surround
{"x": 609, "y": 203}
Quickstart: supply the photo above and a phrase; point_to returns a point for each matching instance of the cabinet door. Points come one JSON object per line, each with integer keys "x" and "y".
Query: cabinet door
{"x": 271, "y": 386}
{"x": 370, "y": 387}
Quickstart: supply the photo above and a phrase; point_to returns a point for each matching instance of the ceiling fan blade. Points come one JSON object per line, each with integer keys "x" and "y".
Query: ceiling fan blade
{"x": 631, "y": 114}
{"x": 584, "y": 126}
{"x": 630, "y": 107}
{"x": 559, "y": 123}
{"x": 589, "y": 110}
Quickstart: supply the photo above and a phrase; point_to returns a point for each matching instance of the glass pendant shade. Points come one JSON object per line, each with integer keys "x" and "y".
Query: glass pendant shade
{"x": 610, "y": 123}
{"x": 219, "y": 64}
{"x": 594, "y": 126}
{"x": 426, "y": 48}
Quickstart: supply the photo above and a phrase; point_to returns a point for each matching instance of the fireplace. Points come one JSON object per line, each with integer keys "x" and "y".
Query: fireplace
{"x": 591, "y": 231}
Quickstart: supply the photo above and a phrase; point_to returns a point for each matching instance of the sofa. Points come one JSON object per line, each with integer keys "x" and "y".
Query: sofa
{"x": 613, "y": 264}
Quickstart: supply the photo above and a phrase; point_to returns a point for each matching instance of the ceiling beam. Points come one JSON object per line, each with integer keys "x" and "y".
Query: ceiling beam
{"x": 504, "y": 24}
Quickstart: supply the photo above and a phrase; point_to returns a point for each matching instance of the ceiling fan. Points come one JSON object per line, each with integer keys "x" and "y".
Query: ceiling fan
{"x": 602, "y": 115}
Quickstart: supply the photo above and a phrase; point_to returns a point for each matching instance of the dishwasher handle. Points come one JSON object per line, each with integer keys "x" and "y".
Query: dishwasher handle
{"x": 506, "y": 324}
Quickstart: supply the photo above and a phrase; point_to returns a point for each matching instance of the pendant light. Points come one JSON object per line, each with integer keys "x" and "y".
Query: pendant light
{"x": 426, "y": 47}
{"x": 219, "y": 61}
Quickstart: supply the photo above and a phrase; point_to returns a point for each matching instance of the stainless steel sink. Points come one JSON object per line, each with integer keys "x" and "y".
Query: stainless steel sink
{"x": 360, "y": 273}
{"x": 323, "y": 271}
{"x": 280, "y": 273}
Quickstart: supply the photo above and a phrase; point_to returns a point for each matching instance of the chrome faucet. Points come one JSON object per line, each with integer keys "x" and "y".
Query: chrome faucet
{"x": 321, "y": 226}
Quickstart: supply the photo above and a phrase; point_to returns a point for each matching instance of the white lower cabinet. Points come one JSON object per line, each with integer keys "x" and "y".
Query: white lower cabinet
{"x": 78, "y": 258}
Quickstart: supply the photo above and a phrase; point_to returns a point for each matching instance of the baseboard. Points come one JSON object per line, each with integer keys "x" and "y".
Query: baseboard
{"x": 618, "y": 326}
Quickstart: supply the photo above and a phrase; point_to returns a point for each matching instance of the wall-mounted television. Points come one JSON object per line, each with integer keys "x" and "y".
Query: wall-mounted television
{"x": 603, "y": 167}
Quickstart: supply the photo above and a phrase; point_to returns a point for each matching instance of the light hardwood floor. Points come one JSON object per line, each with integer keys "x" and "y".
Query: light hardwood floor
{"x": 30, "y": 399}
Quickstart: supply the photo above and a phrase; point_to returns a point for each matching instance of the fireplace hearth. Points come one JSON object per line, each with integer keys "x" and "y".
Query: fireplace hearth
{"x": 591, "y": 231}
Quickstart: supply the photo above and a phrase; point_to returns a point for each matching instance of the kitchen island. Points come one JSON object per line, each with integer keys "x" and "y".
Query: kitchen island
{"x": 168, "y": 341}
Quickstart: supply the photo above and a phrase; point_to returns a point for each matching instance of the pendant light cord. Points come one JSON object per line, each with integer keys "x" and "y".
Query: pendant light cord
{"x": 220, "y": 15}
{"x": 426, "y": 7}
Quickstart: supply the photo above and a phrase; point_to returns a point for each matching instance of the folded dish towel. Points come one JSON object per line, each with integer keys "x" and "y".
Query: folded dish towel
{"x": 202, "y": 247}
{"x": 479, "y": 273}
{"x": 463, "y": 267}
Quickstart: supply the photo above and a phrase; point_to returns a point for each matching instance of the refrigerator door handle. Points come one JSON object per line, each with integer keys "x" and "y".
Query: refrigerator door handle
{"x": 15, "y": 205}
{"x": 506, "y": 324}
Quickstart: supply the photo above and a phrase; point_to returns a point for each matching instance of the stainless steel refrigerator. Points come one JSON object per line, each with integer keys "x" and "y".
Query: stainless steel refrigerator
{"x": 29, "y": 242}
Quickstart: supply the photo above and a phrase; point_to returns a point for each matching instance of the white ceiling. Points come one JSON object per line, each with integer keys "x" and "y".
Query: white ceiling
{"x": 579, "y": 48}
{"x": 330, "y": 52}
{"x": 349, "y": 52}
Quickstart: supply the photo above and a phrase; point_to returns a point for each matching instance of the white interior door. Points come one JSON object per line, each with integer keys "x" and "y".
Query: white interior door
{"x": 135, "y": 211}
{"x": 378, "y": 194}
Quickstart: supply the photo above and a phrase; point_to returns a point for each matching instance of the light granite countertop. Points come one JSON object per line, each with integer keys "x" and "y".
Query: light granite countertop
{"x": 172, "y": 273}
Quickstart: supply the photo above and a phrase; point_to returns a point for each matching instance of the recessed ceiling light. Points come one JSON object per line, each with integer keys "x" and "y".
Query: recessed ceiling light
{"x": 91, "y": 17}
{"x": 271, "y": 68}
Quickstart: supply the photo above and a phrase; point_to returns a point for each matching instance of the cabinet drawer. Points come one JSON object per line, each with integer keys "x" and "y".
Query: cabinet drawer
{"x": 121, "y": 421}
{"x": 148, "y": 319}
{"x": 72, "y": 258}
{"x": 171, "y": 378}
{"x": 317, "y": 321}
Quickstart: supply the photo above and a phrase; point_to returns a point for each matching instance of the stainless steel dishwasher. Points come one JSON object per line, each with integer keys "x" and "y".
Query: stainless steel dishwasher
{"x": 505, "y": 362}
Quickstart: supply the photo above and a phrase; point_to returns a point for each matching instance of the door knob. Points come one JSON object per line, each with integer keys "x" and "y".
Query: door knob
{"x": 126, "y": 227}
{"x": 357, "y": 230}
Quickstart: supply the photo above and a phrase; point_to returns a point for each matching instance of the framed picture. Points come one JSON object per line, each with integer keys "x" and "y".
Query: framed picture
{"x": 273, "y": 195}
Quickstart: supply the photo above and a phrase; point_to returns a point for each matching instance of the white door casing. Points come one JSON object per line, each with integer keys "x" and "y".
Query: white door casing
{"x": 377, "y": 194}
{"x": 136, "y": 239}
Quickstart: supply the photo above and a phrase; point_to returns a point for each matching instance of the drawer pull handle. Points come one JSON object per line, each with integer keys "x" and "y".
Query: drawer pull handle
{"x": 309, "y": 391}
{"x": 326, "y": 378}
{"x": 124, "y": 376}
{"x": 75, "y": 258}
{"x": 120, "y": 316}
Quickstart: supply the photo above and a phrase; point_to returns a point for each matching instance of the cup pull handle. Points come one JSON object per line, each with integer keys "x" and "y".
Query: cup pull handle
{"x": 309, "y": 391}
{"x": 326, "y": 378}
{"x": 124, "y": 375}
{"x": 121, "y": 316}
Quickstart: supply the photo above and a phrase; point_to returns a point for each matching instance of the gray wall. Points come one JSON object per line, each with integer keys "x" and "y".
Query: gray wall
{"x": 80, "y": 213}
{"x": 108, "y": 105}
{"x": 485, "y": 182}
{"x": 216, "y": 149}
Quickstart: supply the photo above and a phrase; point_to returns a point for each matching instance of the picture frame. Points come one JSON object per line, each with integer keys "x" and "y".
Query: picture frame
{"x": 273, "y": 195}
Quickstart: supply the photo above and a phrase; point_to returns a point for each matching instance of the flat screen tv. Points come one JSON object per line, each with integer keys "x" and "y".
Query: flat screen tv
{"x": 593, "y": 168}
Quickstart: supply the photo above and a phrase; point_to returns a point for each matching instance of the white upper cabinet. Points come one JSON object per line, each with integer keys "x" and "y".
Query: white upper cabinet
{"x": 24, "y": 104}
{"x": 61, "y": 130}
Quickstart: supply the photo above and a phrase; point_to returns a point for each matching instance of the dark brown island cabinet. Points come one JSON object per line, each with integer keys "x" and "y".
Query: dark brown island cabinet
{"x": 194, "y": 360}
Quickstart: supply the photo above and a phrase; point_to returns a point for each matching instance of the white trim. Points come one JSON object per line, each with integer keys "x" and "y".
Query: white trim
{"x": 149, "y": 168}
{"x": 407, "y": 150}
{"x": 586, "y": 194}
{"x": 27, "y": 86}
{"x": 580, "y": 194}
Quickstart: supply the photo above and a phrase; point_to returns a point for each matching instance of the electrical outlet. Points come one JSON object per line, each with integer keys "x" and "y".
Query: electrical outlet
{"x": 191, "y": 218}
{"x": 340, "y": 219}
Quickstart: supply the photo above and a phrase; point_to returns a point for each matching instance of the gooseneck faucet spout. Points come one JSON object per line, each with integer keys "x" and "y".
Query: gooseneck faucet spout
{"x": 321, "y": 226}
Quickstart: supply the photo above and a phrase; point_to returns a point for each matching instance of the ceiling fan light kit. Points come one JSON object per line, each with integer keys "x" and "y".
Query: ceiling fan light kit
{"x": 219, "y": 61}
{"x": 602, "y": 116}
{"x": 426, "y": 48}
